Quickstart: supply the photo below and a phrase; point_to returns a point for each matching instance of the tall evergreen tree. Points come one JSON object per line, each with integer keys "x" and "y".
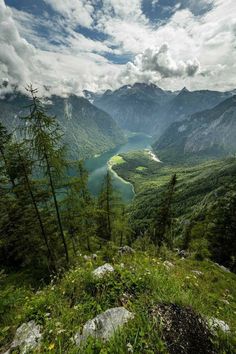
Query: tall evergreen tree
{"x": 163, "y": 222}
{"x": 44, "y": 136}
{"x": 105, "y": 209}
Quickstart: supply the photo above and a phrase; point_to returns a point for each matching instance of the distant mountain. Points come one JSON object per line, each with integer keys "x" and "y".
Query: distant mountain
{"x": 88, "y": 130}
{"x": 135, "y": 108}
{"x": 210, "y": 132}
{"x": 149, "y": 109}
{"x": 189, "y": 102}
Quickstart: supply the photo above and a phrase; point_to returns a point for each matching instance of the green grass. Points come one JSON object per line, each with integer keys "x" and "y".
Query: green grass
{"x": 116, "y": 160}
{"x": 141, "y": 168}
{"x": 139, "y": 282}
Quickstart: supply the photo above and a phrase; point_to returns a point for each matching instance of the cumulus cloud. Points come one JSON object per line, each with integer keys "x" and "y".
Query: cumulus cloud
{"x": 16, "y": 55}
{"x": 159, "y": 60}
{"x": 68, "y": 61}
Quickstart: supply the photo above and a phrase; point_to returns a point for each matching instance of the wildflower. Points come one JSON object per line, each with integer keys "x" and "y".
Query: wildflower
{"x": 51, "y": 346}
{"x": 130, "y": 348}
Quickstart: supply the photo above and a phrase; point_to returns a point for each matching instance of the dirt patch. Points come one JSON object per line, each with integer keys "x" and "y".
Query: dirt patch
{"x": 184, "y": 331}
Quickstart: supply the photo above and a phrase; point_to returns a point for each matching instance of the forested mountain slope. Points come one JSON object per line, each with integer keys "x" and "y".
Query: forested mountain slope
{"x": 88, "y": 130}
{"x": 148, "y": 108}
{"x": 208, "y": 133}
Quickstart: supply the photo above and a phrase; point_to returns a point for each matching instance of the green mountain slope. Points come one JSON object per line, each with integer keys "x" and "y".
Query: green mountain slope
{"x": 202, "y": 191}
{"x": 88, "y": 130}
{"x": 207, "y": 133}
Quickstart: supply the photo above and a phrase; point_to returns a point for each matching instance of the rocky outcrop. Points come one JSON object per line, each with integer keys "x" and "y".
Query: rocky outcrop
{"x": 27, "y": 337}
{"x": 104, "y": 325}
{"x": 103, "y": 270}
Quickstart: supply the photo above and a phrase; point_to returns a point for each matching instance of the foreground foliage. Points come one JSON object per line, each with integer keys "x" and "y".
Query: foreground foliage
{"x": 140, "y": 282}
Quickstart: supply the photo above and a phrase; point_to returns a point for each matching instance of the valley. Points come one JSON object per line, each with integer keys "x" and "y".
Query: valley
{"x": 97, "y": 166}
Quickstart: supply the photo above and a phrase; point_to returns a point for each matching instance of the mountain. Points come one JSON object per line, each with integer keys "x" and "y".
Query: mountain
{"x": 150, "y": 109}
{"x": 135, "y": 108}
{"x": 189, "y": 102}
{"x": 88, "y": 130}
{"x": 210, "y": 132}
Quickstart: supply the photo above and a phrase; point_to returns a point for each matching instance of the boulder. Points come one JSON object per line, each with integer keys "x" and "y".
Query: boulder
{"x": 27, "y": 337}
{"x": 216, "y": 324}
{"x": 126, "y": 250}
{"x": 104, "y": 325}
{"x": 103, "y": 270}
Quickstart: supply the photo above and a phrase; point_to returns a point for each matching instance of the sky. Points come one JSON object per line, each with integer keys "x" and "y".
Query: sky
{"x": 67, "y": 46}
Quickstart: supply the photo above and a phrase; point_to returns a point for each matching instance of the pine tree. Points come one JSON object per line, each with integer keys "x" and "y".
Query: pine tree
{"x": 44, "y": 137}
{"x": 105, "y": 209}
{"x": 163, "y": 222}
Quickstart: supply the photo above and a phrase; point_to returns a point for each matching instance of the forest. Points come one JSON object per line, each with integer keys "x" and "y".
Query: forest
{"x": 54, "y": 231}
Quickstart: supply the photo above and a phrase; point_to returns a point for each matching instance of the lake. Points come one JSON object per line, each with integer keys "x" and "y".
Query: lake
{"x": 97, "y": 166}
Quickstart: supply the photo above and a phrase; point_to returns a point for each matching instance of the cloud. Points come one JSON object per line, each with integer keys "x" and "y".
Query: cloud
{"x": 160, "y": 61}
{"x": 16, "y": 55}
{"x": 49, "y": 49}
{"x": 78, "y": 12}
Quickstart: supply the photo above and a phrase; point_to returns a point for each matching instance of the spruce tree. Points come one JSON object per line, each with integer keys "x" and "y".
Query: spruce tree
{"x": 163, "y": 222}
{"x": 44, "y": 137}
{"x": 105, "y": 209}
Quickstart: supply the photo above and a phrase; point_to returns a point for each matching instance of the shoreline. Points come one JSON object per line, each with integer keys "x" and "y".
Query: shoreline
{"x": 109, "y": 166}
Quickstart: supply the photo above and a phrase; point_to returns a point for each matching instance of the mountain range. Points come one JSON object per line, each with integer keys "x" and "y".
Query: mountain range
{"x": 210, "y": 132}
{"x": 181, "y": 122}
{"x": 149, "y": 109}
{"x": 87, "y": 129}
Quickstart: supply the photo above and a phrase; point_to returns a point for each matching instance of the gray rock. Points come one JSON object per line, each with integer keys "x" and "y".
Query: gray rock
{"x": 216, "y": 324}
{"x": 104, "y": 325}
{"x": 168, "y": 265}
{"x": 103, "y": 270}
{"x": 183, "y": 253}
{"x": 27, "y": 337}
{"x": 197, "y": 272}
{"x": 223, "y": 268}
{"x": 126, "y": 250}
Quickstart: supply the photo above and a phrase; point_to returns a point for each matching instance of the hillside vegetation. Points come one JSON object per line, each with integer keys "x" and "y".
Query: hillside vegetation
{"x": 140, "y": 283}
{"x": 203, "y": 205}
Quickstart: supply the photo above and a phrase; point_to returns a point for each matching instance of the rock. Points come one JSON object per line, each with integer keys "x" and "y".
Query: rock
{"x": 87, "y": 258}
{"x": 216, "y": 324}
{"x": 104, "y": 325}
{"x": 103, "y": 270}
{"x": 27, "y": 337}
{"x": 223, "y": 268}
{"x": 126, "y": 250}
{"x": 197, "y": 272}
{"x": 168, "y": 265}
{"x": 94, "y": 256}
{"x": 183, "y": 253}
{"x": 183, "y": 330}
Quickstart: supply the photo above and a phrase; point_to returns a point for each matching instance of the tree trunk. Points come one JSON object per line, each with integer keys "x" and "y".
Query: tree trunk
{"x": 57, "y": 208}
{"x": 43, "y": 232}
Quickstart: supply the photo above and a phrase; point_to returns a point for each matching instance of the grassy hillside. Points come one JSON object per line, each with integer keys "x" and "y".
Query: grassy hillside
{"x": 203, "y": 204}
{"x": 140, "y": 282}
